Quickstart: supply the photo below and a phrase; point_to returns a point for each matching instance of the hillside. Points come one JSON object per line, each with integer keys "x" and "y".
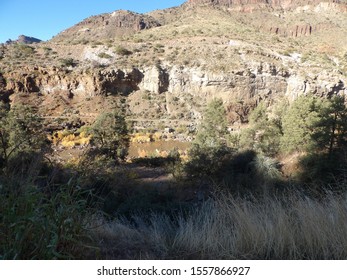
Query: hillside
{"x": 212, "y": 130}
{"x": 173, "y": 61}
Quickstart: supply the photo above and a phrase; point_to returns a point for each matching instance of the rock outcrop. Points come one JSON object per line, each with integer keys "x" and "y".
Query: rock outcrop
{"x": 83, "y": 83}
{"x": 107, "y": 26}
{"x": 22, "y": 39}
{"x": 298, "y": 30}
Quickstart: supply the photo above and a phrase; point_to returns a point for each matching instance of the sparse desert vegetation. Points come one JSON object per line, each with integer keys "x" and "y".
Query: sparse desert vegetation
{"x": 198, "y": 132}
{"x": 220, "y": 203}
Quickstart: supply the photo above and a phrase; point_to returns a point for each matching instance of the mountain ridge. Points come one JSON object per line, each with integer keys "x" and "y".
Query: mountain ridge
{"x": 23, "y": 39}
{"x": 108, "y": 25}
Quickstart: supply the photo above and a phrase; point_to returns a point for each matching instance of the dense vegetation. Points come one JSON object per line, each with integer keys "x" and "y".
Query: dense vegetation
{"x": 245, "y": 206}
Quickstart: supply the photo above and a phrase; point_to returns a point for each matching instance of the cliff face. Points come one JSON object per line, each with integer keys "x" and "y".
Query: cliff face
{"x": 258, "y": 80}
{"x": 78, "y": 83}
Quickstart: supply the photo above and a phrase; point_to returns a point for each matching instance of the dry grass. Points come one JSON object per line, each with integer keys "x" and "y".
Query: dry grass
{"x": 229, "y": 228}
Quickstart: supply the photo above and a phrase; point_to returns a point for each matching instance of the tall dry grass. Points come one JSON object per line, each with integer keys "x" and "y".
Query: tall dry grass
{"x": 297, "y": 227}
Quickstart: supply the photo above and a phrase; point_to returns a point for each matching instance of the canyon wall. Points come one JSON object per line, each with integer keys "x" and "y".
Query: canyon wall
{"x": 261, "y": 80}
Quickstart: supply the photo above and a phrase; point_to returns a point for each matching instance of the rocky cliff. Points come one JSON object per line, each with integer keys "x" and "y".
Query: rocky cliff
{"x": 107, "y": 26}
{"x": 257, "y": 81}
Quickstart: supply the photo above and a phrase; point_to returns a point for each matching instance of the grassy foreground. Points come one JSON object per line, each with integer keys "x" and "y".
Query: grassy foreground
{"x": 295, "y": 227}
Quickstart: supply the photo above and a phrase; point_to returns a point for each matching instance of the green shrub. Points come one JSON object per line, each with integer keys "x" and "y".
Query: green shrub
{"x": 120, "y": 50}
{"x": 47, "y": 49}
{"x": 264, "y": 133}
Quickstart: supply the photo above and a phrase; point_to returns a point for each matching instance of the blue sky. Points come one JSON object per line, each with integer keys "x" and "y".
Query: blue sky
{"x": 45, "y": 18}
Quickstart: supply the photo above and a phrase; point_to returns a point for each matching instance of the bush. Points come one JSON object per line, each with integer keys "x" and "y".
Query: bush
{"x": 206, "y": 161}
{"x": 24, "y": 50}
{"x": 120, "y": 50}
{"x": 67, "y": 62}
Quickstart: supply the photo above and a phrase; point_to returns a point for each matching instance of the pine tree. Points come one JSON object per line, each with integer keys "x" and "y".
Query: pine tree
{"x": 331, "y": 131}
{"x": 300, "y": 123}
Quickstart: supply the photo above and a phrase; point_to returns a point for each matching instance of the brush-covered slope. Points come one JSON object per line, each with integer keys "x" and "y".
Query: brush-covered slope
{"x": 166, "y": 65}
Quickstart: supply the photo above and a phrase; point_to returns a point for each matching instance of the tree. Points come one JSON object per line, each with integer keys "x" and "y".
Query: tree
{"x": 110, "y": 135}
{"x": 213, "y": 129}
{"x": 300, "y": 124}
{"x": 332, "y": 127}
{"x": 209, "y": 146}
{"x": 264, "y": 133}
{"x": 21, "y": 132}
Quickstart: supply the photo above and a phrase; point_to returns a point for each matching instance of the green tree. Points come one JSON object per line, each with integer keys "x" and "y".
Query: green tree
{"x": 264, "y": 133}
{"x": 21, "y": 132}
{"x": 110, "y": 135}
{"x": 300, "y": 124}
{"x": 213, "y": 129}
{"x": 332, "y": 127}
{"x": 210, "y": 144}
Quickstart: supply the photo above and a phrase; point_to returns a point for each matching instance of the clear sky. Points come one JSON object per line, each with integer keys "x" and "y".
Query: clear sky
{"x": 43, "y": 19}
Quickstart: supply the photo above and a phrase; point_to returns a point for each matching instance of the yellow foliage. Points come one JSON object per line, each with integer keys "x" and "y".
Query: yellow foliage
{"x": 67, "y": 144}
{"x": 70, "y": 140}
{"x": 157, "y": 136}
{"x": 141, "y": 138}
